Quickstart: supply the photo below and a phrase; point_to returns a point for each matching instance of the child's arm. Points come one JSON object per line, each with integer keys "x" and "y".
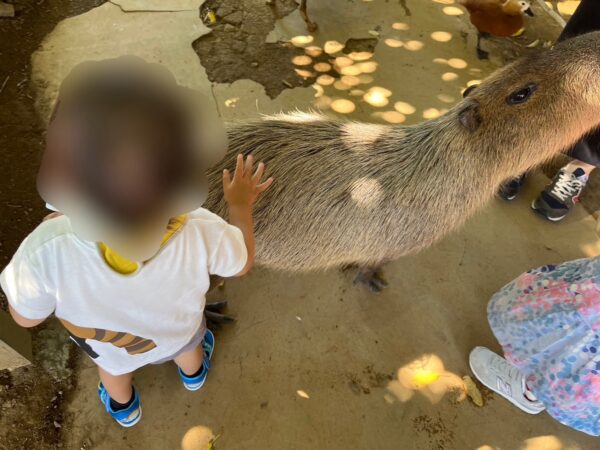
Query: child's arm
{"x": 240, "y": 194}
{"x": 23, "y": 321}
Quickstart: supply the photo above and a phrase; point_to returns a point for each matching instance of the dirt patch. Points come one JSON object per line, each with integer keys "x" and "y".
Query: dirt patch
{"x": 236, "y": 48}
{"x": 30, "y": 398}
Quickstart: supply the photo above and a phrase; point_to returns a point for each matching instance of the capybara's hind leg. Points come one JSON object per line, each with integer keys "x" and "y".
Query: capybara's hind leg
{"x": 309, "y": 23}
{"x": 372, "y": 278}
{"x": 214, "y": 311}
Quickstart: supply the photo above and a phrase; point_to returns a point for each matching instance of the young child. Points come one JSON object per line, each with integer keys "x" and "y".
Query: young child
{"x": 548, "y": 323}
{"x": 126, "y": 268}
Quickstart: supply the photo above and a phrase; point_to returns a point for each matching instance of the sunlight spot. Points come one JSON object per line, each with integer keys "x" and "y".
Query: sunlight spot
{"x": 357, "y": 92}
{"x": 360, "y": 137}
{"x": 366, "y": 67}
{"x": 365, "y": 79}
{"x": 325, "y": 80}
{"x": 487, "y": 447}
{"x": 341, "y": 86}
{"x": 231, "y": 102}
{"x": 445, "y": 2}
{"x": 394, "y": 43}
{"x": 567, "y": 7}
{"x": 366, "y": 192}
{"x": 352, "y": 70}
{"x": 441, "y": 36}
{"x": 302, "y": 394}
{"x": 319, "y": 90}
{"x": 343, "y": 61}
{"x": 304, "y": 73}
{"x": 431, "y": 113}
{"x": 313, "y": 51}
{"x": 413, "y": 46}
{"x": 360, "y": 56}
{"x": 377, "y": 96}
{"x": 474, "y": 71}
{"x": 390, "y": 116}
{"x": 453, "y": 11}
{"x": 388, "y": 398}
{"x": 350, "y": 80}
{"x": 404, "y": 108}
{"x": 400, "y": 26}
{"x": 322, "y": 67}
{"x": 449, "y": 76}
{"x": 473, "y": 82}
{"x": 301, "y": 60}
{"x": 332, "y": 47}
{"x": 197, "y": 438}
{"x": 440, "y": 61}
{"x": 457, "y": 63}
{"x": 427, "y": 376}
{"x": 323, "y": 102}
{"x": 543, "y": 443}
{"x": 446, "y": 98}
{"x": 301, "y": 41}
{"x": 343, "y": 106}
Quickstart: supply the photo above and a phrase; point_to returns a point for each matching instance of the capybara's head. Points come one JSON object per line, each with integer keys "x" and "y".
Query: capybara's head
{"x": 537, "y": 106}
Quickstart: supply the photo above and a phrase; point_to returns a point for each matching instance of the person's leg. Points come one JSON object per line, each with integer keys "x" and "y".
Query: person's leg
{"x": 191, "y": 362}
{"x": 119, "y": 387}
{"x": 120, "y": 398}
{"x": 576, "y": 164}
{"x": 194, "y": 363}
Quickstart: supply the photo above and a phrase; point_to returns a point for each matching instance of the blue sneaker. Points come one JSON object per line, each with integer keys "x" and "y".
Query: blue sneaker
{"x": 127, "y": 417}
{"x": 196, "y": 382}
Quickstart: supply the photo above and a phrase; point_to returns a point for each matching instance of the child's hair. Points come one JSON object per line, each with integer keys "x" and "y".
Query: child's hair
{"x": 121, "y": 137}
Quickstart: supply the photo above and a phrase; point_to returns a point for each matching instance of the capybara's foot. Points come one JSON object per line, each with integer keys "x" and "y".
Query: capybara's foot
{"x": 214, "y": 314}
{"x": 372, "y": 279}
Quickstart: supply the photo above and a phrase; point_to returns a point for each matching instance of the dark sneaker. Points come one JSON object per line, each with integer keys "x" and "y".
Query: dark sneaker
{"x": 511, "y": 188}
{"x": 557, "y": 199}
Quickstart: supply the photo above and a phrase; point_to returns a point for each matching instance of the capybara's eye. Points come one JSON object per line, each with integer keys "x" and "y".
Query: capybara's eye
{"x": 522, "y": 95}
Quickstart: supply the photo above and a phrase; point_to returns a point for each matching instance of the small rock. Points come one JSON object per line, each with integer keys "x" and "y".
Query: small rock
{"x": 57, "y": 425}
{"x": 229, "y": 28}
{"x": 225, "y": 10}
{"x": 254, "y": 64}
{"x": 234, "y": 18}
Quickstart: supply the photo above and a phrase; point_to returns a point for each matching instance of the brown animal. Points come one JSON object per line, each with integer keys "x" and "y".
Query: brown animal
{"x": 500, "y": 18}
{"x": 357, "y": 193}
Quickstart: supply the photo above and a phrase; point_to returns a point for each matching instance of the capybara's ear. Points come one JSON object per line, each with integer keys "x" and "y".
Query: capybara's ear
{"x": 469, "y": 116}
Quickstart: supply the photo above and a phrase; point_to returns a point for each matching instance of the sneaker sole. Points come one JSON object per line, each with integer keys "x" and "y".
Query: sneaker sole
{"x": 195, "y": 388}
{"x": 133, "y": 422}
{"x": 551, "y": 219}
{"x": 510, "y": 399}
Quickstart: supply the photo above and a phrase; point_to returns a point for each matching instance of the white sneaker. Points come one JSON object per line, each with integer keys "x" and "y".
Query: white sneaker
{"x": 500, "y": 376}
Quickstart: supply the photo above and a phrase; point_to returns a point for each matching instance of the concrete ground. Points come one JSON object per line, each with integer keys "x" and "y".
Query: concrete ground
{"x": 312, "y": 361}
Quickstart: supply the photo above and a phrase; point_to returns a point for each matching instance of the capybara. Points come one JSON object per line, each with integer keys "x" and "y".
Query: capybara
{"x": 356, "y": 193}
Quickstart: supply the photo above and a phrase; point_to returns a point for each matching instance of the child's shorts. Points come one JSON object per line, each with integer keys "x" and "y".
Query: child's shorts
{"x": 192, "y": 344}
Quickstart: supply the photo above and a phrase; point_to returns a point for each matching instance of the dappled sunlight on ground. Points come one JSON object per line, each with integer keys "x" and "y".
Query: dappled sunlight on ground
{"x": 426, "y": 376}
{"x": 349, "y": 79}
{"x": 543, "y": 443}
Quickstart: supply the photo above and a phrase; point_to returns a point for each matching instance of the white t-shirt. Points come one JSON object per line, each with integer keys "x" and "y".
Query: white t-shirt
{"x": 123, "y": 321}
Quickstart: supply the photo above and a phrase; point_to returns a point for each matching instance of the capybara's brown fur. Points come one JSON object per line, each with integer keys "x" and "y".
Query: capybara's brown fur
{"x": 348, "y": 192}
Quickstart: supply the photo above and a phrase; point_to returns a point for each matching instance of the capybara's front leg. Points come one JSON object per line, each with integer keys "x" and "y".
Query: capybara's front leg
{"x": 372, "y": 278}
{"x": 309, "y": 23}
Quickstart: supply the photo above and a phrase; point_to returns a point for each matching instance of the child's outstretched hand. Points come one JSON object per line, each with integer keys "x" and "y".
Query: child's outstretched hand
{"x": 245, "y": 187}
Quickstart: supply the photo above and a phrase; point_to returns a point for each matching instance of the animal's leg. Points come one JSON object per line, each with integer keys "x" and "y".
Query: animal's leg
{"x": 214, "y": 311}
{"x": 372, "y": 278}
{"x": 309, "y": 23}
{"x": 481, "y": 54}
